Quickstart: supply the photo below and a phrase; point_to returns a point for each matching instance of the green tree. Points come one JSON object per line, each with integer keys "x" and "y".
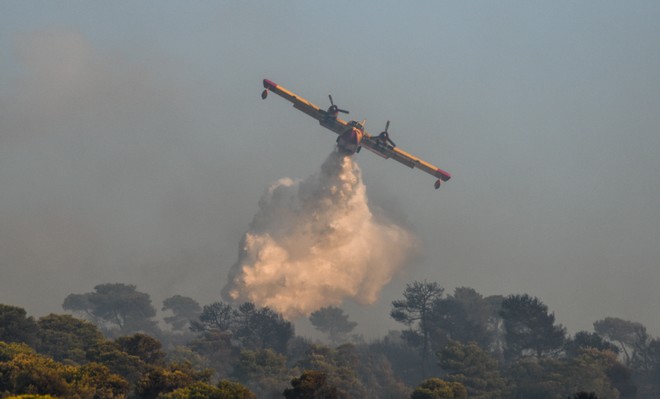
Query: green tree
{"x": 631, "y": 337}
{"x": 264, "y": 372}
{"x": 216, "y": 316}
{"x": 22, "y": 371}
{"x": 217, "y": 348}
{"x": 332, "y": 321}
{"x": 95, "y": 381}
{"x": 311, "y": 385}
{"x": 15, "y": 326}
{"x": 30, "y": 373}
{"x": 482, "y": 324}
{"x": 530, "y": 328}
{"x": 8, "y": 350}
{"x": 558, "y": 378}
{"x": 475, "y": 369}
{"x": 234, "y": 390}
{"x": 147, "y": 348}
{"x": 584, "y": 340}
{"x": 67, "y": 339}
{"x": 184, "y": 310}
{"x": 621, "y": 377}
{"x": 405, "y": 363}
{"x": 532, "y": 377}
{"x": 115, "y": 306}
{"x": 450, "y": 320}
{"x": 590, "y": 371}
{"x": 161, "y": 380}
{"x": 198, "y": 390}
{"x": 184, "y": 354}
{"x": 414, "y": 311}
{"x": 375, "y": 372}
{"x": 261, "y": 328}
{"x": 584, "y": 395}
{"x": 223, "y": 331}
{"x": 253, "y": 327}
{"x": 339, "y": 368}
{"x": 435, "y": 388}
{"x": 119, "y": 362}
{"x": 649, "y": 381}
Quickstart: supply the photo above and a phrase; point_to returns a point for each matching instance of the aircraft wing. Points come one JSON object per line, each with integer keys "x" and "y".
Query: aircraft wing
{"x": 337, "y": 125}
{"x": 386, "y": 151}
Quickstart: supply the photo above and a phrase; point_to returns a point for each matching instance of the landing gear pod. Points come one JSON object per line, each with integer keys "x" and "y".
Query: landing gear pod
{"x": 437, "y": 184}
{"x": 264, "y": 94}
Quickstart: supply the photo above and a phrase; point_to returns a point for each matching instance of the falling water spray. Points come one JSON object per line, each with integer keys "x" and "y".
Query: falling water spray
{"x": 315, "y": 243}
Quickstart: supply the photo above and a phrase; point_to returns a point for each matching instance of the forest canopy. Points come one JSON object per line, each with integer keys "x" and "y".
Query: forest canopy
{"x": 451, "y": 345}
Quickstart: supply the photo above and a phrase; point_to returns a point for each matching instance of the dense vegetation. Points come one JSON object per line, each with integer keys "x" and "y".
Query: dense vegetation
{"x": 461, "y": 345}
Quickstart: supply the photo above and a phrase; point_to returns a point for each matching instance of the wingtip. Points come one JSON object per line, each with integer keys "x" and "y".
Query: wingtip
{"x": 443, "y": 175}
{"x": 269, "y": 84}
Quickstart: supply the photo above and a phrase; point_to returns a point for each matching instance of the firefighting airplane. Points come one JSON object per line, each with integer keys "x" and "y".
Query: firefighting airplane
{"x": 352, "y": 136}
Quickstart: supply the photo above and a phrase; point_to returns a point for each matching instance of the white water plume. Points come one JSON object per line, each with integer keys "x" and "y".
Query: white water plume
{"x": 315, "y": 242}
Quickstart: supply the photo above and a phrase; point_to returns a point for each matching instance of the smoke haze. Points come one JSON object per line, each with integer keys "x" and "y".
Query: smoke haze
{"x": 315, "y": 243}
{"x": 99, "y": 177}
{"x": 134, "y": 145}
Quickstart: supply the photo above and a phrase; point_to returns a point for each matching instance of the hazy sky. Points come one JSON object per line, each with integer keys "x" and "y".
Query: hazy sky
{"x": 134, "y": 145}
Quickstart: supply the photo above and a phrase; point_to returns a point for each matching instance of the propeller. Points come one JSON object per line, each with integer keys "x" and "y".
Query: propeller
{"x": 385, "y": 136}
{"x": 333, "y": 109}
